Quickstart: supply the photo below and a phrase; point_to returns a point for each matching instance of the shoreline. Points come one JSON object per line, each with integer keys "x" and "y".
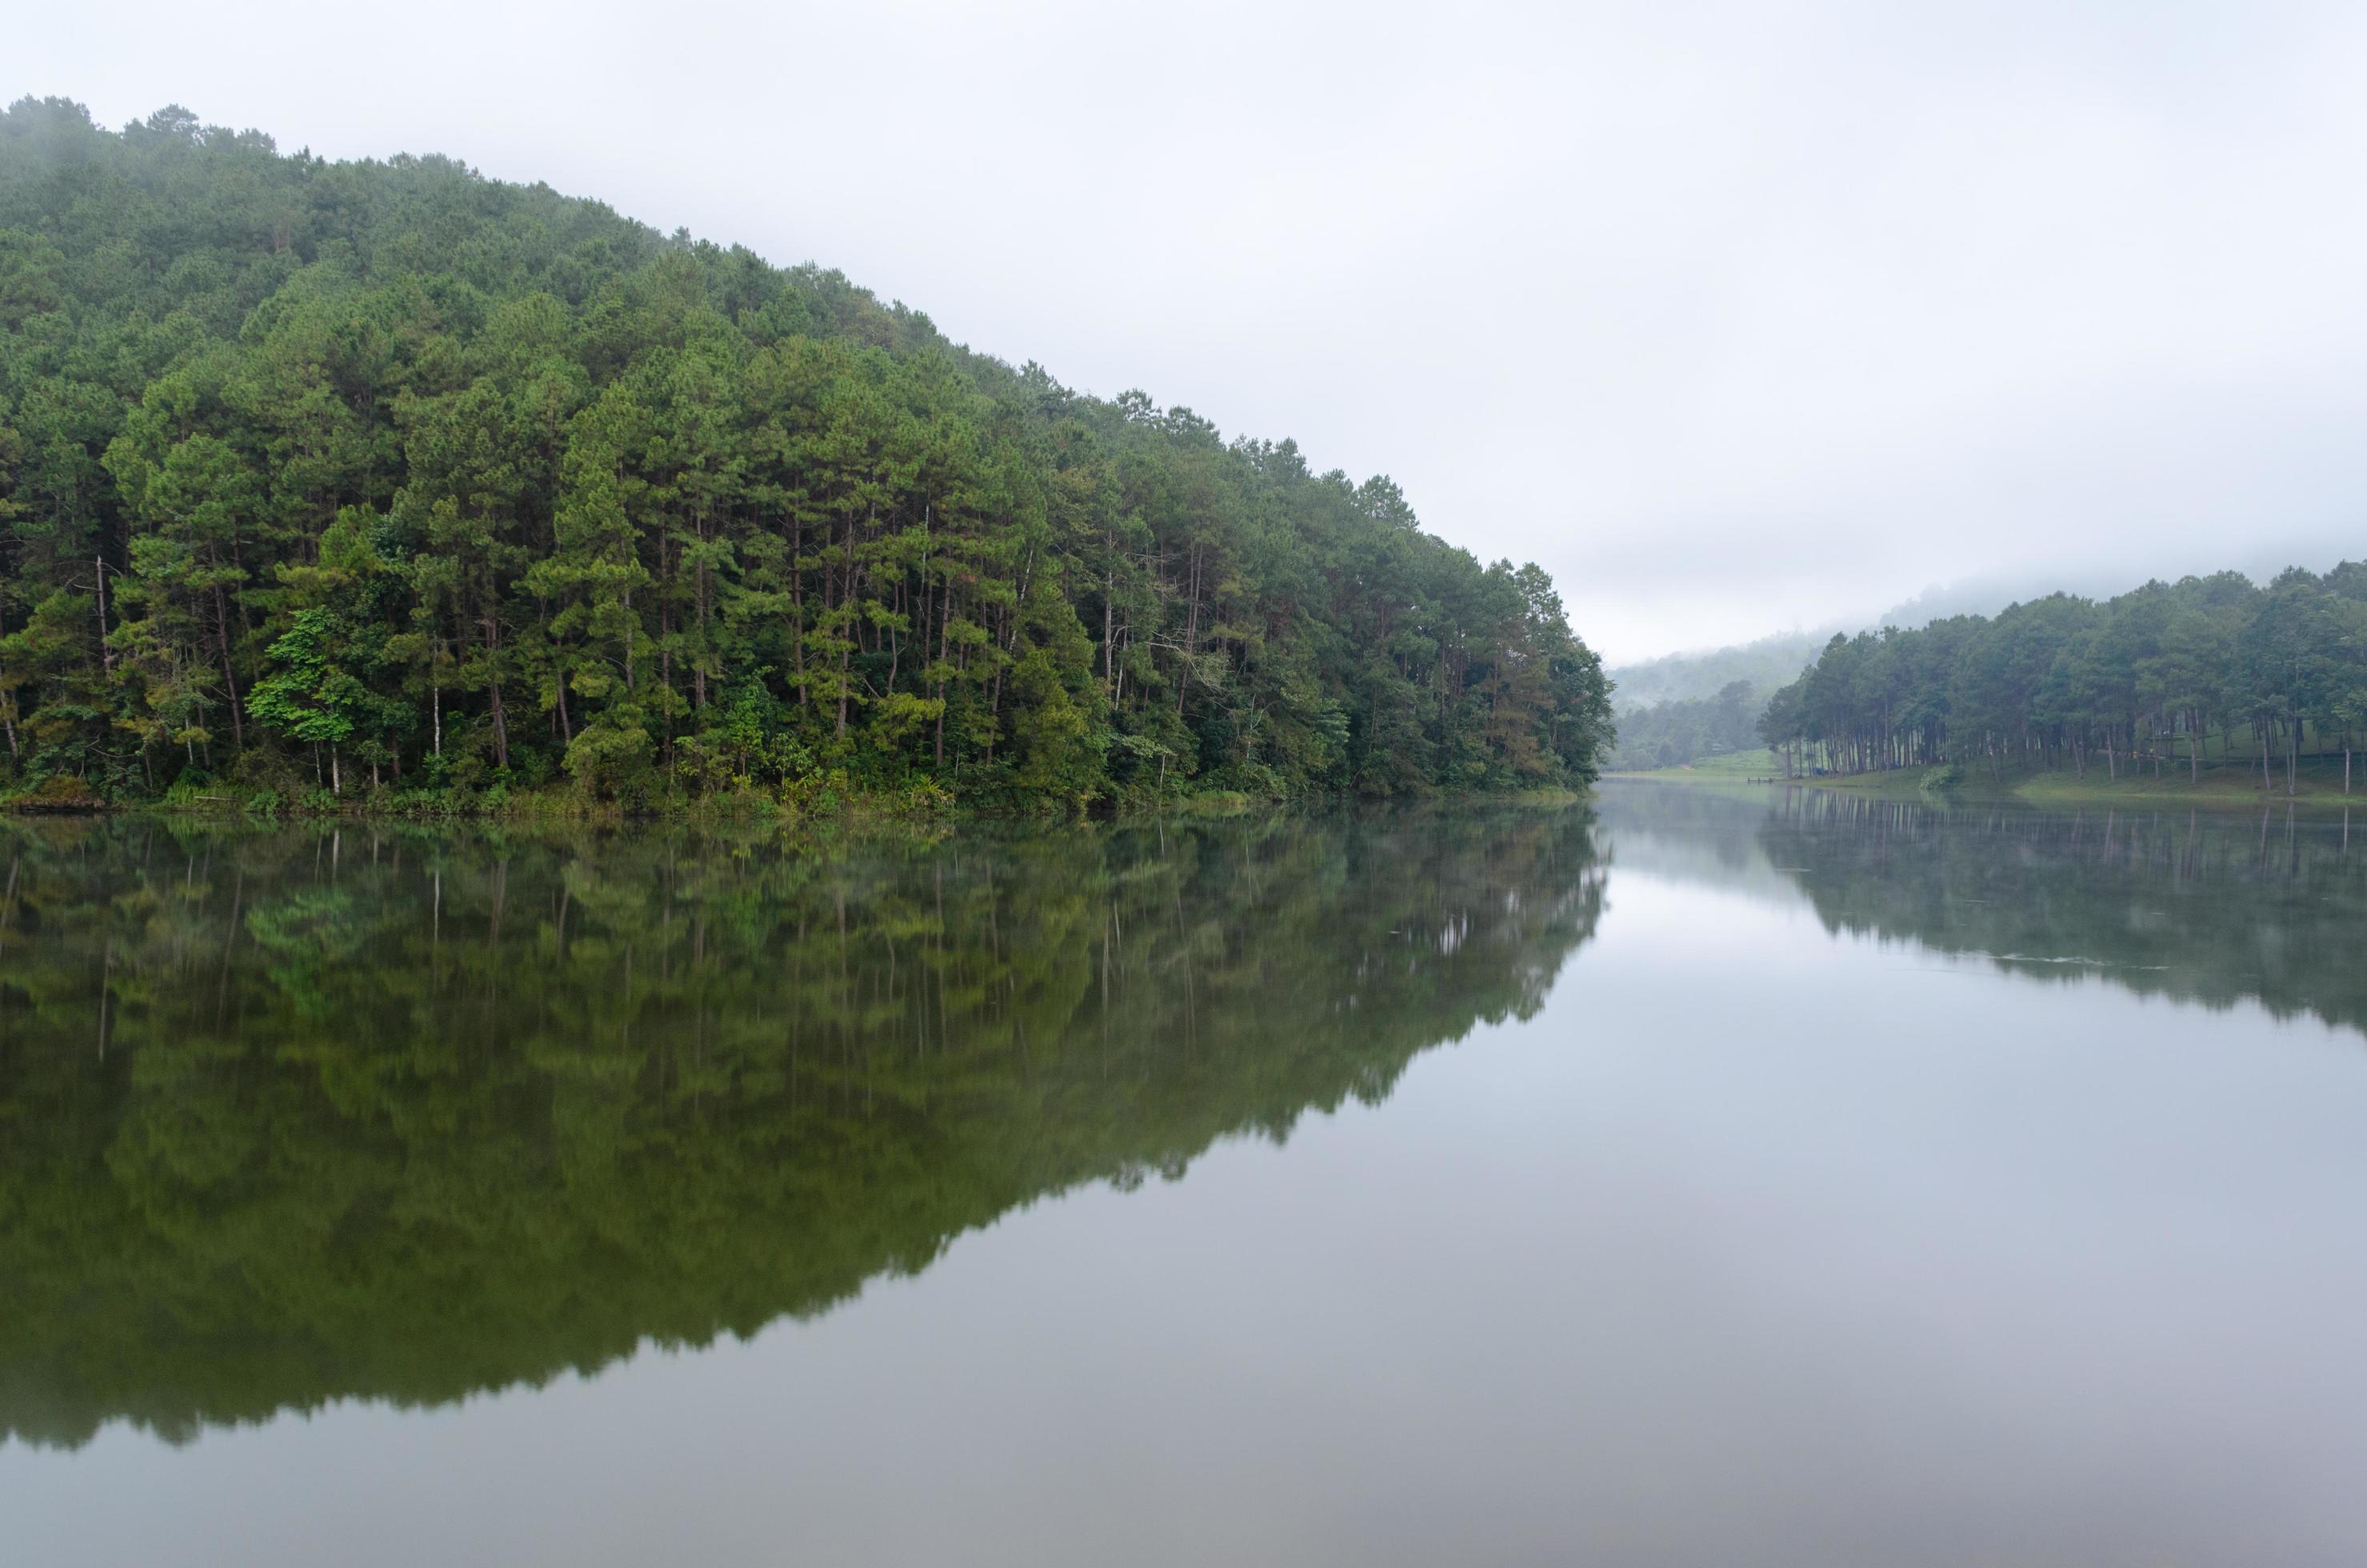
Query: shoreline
{"x": 2220, "y": 788}
{"x": 854, "y": 809}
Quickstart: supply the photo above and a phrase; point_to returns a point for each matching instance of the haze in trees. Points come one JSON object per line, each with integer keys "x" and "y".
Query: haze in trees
{"x": 1670, "y": 735}
{"x": 1766, "y": 664}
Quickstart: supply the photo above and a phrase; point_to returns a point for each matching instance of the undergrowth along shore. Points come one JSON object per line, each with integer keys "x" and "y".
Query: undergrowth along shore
{"x": 829, "y": 797}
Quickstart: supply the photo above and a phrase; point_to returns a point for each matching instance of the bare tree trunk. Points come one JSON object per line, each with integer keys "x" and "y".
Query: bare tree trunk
{"x": 221, "y": 626}
{"x": 105, "y": 653}
{"x": 944, "y": 620}
{"x": 1191, "y": 633}
{"x": 493, "y": 688}
{"x": 797, "y": 604}
{"x": 698, "y": 665}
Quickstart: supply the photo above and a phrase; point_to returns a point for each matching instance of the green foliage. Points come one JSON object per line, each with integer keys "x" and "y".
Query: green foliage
{"x": 310, "y": 693}
{"x": 2164, "y": 675}
{"x": 309, "y": 469}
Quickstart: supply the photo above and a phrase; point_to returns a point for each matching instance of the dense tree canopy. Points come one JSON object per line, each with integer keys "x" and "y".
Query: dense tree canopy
{"x": 385, "y": 475}
{"x": 2170, "y": 673}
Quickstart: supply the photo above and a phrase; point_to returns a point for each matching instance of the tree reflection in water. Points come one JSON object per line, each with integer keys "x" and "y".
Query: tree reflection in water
{"x": 293, "y": 1116}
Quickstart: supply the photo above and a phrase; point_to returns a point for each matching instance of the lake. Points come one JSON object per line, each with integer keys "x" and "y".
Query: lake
{"x": 1687, "y": 1177}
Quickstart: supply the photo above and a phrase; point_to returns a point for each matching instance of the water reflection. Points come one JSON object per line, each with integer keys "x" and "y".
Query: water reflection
{"x": 293, "y": 1116}
{"x": 1834, "y": 1190}
{"x": 288, "y": 1117}
{"x": 2212, "y": 907}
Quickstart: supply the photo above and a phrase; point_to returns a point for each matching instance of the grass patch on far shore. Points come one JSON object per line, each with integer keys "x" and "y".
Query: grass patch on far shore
{"x": 1734, "y": 767}
{"x": 2317, "y": 782}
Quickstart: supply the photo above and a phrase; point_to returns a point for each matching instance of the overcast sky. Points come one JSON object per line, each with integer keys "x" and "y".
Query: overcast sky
{"x": 1737, "y": 317}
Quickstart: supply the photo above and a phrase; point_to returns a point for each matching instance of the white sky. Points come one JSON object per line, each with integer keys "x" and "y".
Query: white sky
{"x": 1737, "y": 317}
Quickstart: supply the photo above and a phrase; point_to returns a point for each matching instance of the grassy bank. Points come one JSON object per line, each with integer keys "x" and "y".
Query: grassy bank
{"x": 1735, "y": 767}
{"x": 2317, "y": 782}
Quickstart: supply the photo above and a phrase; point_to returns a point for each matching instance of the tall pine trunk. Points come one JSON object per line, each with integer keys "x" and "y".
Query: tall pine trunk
{"x": 494, "y": 687}
{"x": 230, "y": 678}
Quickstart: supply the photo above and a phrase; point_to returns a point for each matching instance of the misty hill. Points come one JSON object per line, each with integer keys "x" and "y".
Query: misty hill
{"x": 1766, "y": 664}
{"x": 384, "y": 476}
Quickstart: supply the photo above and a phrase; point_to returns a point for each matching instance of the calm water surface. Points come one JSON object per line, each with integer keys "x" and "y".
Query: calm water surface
{"x": 1687, "y": 1179}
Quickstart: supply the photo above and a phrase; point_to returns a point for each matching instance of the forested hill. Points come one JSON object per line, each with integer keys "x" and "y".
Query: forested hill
{"x": 385, "y": 476}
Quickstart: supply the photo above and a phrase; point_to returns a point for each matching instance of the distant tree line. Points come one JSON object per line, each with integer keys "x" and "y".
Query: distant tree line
{"x": 2173, "y": 673}
{"x": 1671, "y": 734}
{"x": 385, "y": 476}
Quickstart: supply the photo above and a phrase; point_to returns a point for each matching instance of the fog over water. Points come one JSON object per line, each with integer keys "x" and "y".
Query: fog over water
{"x": 1737, "y": 317}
